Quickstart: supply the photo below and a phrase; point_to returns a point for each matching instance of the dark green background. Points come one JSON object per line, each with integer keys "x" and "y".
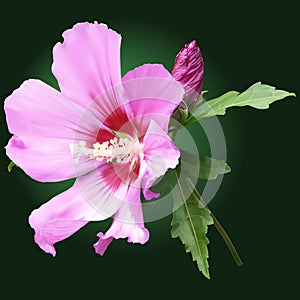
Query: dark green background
{"x": 257, "y": 203}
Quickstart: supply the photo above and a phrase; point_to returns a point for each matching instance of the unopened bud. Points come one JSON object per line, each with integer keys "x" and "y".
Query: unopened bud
{"x": 189, "y": 70}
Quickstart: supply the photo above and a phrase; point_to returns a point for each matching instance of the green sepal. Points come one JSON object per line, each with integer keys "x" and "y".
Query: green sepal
{"x": 183, "y": 109}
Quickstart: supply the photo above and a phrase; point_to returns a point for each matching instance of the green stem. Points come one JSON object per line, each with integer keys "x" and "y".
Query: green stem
{"x": 189, "y": 121}
{"x": 172, "y": 134}
{"x": 217, "y": 224}
{"x": 223, "y": 234}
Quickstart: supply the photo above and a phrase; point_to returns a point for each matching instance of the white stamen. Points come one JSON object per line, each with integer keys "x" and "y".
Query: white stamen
{"x": 79, "y": 149}
{"x": 116, "y": 150}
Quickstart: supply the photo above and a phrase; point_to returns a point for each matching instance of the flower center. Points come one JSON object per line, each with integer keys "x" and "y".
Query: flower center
{"x": 115, "y": 150}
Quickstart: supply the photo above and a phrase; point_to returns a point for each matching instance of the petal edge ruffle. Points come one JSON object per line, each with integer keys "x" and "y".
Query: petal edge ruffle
{"x": 128, "y": 223}
{"x": 87, "y": 63}
{"x": 91, "y": 198}
{"x": 44, "y": 123}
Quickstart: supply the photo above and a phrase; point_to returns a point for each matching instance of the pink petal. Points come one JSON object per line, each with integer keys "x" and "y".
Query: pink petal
{"x": 91, "y": 198}
{"x": 35, "y": 108}
{"x": 43, "y": 159}
{"x": 112, "y": 110}
{"x": 160, "y": 154}
{"x": 154, "y": 94}
{"x": 102, "y": 244}
{"x": 88, "y": 61}
{"x": 128, "y": 223}
{"x": 45, "y": 123}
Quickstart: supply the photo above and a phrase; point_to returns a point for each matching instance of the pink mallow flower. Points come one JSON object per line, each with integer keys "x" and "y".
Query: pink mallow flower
{"x": 111, "y": 133}
{"x": 189, "y": 70}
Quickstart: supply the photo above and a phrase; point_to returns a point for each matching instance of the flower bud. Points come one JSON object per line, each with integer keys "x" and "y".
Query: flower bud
{"x": 189, "y": 70}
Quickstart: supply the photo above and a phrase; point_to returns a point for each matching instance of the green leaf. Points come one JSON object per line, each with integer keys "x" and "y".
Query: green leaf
{"x": 191, "y": 166}
{"x": 211, "y": 168}
{"x": 206, "y": 168}
{"x": 190, "y": 223}
{"x": 258, "y": 96}
{"x": 164, "y": 184}
{"x": 10, "y": 166}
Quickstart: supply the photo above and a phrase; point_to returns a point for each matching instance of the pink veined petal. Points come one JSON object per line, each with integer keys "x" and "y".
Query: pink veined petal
{"x": 87, "y": 67}
{"x": 44, "y": 159}
{"x": 160, "y": 154}
{"x": 102, "y": 244}
{"x": 112, "y": 110}
{"x": 154, "y": 94}
{"x": 87, "y": 63}
{"x": 128, "y": 223}
{"x": 36, "y": 109}
{"x": 44, "y": 124}
{"x": 93, "y": 197}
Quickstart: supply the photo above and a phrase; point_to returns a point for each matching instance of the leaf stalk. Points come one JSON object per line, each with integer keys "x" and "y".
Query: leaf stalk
{"x": 222, "y": 233}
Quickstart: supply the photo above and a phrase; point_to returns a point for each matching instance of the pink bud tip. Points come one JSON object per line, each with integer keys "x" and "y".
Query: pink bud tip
{"x": 189, "y": 70}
